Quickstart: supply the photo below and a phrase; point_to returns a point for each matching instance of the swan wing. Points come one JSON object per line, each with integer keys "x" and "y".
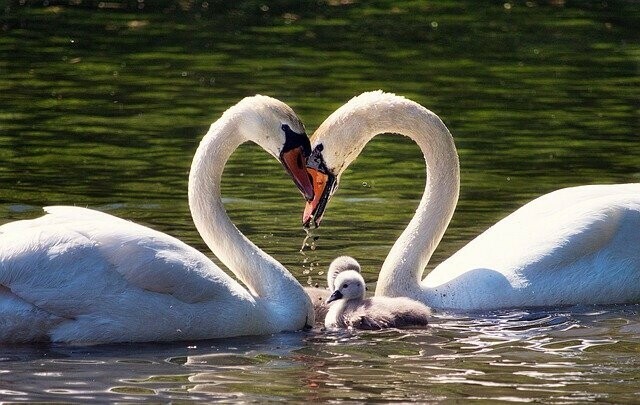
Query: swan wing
{"x": 69, "y": 260}
{"x": 21, "y": 321}
{"x": 560, "y": 248}
{"x": 156, "y": 261}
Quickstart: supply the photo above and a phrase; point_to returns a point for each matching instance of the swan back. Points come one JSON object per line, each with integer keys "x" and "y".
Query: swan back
{"x": 581, "y": 246}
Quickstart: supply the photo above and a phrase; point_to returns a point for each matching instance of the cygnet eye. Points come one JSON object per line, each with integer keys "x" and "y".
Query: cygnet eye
{"x": 345, "y": 285}
{"x": 285, "y": 128}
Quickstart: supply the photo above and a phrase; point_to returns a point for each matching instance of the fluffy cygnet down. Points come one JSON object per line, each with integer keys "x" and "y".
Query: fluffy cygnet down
{"x": 319, "y": 296}
{"x": 352, "y": 310}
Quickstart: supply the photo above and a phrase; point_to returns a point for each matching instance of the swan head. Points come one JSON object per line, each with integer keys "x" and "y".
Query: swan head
{"x": 276, "y": 128}
{"x": 339, "y": 140}
{"x": 337, "y": 266}
{"x": 349, "y": 285}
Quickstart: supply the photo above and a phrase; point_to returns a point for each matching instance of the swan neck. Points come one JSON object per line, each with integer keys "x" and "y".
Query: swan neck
{"x": 403, "y": 268}
{"x": 262, "y": 274}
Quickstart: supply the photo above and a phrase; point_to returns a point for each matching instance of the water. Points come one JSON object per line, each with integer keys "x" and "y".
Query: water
{"x": 525, "y": 356}
{"x": 104, "y": 107}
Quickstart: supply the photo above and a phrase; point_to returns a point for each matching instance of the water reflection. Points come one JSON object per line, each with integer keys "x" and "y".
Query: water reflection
{"x": 524, "y": 355}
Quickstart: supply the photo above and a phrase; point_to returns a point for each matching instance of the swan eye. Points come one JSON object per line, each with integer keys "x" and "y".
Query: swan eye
{"x": 285, "y": 128}
{"x": 345, "y": 285}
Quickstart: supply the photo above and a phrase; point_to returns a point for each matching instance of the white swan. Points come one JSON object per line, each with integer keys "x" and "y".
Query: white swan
{"x": 577, "y": 245}
{"x": 352, "y": 310}
{"x": 83, "y": 276}
{"x": 319, "y": 295}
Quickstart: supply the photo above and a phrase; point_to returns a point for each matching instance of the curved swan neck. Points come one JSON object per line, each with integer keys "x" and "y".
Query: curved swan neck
{"x": 404, "y": 266}
{"x": 362, "y": 118}
{"x": 262, "y": 274}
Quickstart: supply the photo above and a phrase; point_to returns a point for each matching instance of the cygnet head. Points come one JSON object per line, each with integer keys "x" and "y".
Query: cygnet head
{"x": 349, "y": 286}
{"x": 339, "y": 265}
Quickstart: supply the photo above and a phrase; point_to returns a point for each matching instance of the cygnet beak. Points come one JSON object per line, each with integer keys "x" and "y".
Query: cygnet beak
{"x": 335, "y": 296}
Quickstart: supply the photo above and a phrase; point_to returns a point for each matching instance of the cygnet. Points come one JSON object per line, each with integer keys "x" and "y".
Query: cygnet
{"x": 350, "y": 308}
{"x": 319, "y": 296}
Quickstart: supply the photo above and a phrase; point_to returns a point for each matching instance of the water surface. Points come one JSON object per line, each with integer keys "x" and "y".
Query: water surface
{"x": 104, "y": 106}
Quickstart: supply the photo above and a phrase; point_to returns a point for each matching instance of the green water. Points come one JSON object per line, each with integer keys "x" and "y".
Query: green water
{"x": 103, "y": 105}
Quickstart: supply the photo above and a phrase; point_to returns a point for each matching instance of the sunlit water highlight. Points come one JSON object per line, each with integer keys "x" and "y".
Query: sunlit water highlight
{"x": 576, "y": 354}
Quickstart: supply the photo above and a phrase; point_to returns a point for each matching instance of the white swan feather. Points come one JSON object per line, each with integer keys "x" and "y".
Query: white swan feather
{"x": 578, "y": 245}
{"x": 77, "y": 275}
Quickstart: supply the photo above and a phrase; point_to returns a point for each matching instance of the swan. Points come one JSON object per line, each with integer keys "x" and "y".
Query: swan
{"x": 76, "y": 275}
{"x": 319, "y": 296}
{"x": 353, "y": 310}
{"x": 578, "y": 245}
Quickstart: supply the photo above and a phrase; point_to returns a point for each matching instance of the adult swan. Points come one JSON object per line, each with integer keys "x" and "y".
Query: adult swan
{"x": 577, "y": 245}
{"x": 82, "y": 276}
